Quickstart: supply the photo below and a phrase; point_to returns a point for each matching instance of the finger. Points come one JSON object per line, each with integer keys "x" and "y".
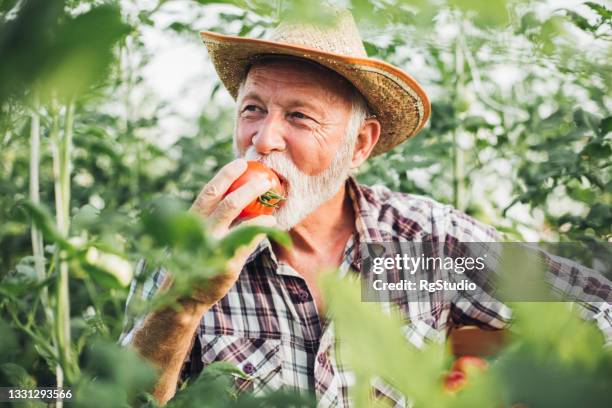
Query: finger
{"x": 213, "y": 191}
{"x": 232, "y": 205}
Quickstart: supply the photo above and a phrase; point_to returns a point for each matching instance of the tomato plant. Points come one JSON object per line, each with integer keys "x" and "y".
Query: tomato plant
{"x": 520, "y": 138}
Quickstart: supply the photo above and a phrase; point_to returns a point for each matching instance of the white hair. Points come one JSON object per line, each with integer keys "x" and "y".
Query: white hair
{"x": 359, "y": 113}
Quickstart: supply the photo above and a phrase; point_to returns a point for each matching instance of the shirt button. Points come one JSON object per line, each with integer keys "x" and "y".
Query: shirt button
{"x": 248, "y": 368}
{"x": 321, "y": 359}
{"x": 303, "y": 295}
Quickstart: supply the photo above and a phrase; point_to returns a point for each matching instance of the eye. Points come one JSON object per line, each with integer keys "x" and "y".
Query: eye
{"x": 251, "y": 108}
{"x": 299, "y": 115}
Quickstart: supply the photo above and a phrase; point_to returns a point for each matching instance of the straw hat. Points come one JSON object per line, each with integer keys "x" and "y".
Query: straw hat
{"x": 397, "y": 100}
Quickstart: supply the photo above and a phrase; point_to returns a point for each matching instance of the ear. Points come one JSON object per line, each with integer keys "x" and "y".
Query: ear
{"x": 366, "y": 140}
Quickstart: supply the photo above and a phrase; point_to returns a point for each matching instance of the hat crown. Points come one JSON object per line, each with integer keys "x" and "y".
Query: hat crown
{"x": 340, "y": 36}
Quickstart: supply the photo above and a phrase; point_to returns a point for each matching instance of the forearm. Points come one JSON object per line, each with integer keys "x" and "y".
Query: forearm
{"x": 164, "y": 339}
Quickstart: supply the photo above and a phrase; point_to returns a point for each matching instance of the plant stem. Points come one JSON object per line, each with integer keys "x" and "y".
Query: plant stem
{"x": 279, "y": 10}
{"x": 459, "y": 190}
{"x": 37, "y": 239}
{"x": 128, "y": 75}
{"x": 61, "y": 169}
{"x": 38, "y": 339}
{"x": 55, "y": 140}
{"x": 458, "y": 154}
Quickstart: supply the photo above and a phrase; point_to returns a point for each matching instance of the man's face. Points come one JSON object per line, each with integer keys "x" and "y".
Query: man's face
{"x": 293, "y": 116}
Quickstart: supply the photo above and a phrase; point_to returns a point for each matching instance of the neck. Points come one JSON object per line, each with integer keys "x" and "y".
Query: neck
{"x": 324, "y": 228}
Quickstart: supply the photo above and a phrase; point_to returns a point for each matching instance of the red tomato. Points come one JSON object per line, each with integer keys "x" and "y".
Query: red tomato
{"x": 454, "y": 381}
{"x": 266, "y": 203}
{"x": 458, "y": 376}
{"x": 466, "y": 363}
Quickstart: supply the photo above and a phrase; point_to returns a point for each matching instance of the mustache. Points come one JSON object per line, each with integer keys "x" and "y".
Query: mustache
{"x": 279, "y": 162}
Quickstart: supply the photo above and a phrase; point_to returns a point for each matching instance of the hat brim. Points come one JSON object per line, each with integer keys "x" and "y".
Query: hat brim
{"x": 398, "y": 101}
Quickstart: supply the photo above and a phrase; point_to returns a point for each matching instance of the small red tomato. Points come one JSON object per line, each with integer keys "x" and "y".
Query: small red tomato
{"x": 454, "y": 381}
{"x": 466, "y": 363}
{"x": 266, "y": 203}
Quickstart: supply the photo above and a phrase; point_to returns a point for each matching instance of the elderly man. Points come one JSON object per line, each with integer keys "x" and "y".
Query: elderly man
{"x": 311, "y": 106}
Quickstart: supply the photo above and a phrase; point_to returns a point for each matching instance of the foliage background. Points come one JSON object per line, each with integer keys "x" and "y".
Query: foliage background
{"x": 131, "y": 111}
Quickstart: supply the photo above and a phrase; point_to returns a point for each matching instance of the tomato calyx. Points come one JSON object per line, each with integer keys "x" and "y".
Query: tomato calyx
{"x": 271, "y": 199}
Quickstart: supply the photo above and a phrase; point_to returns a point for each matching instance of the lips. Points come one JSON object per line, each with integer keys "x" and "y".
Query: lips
{"x": 284, "y": 183}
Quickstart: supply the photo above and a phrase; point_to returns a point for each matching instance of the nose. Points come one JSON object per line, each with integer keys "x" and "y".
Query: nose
{"x": 269, "y": 136}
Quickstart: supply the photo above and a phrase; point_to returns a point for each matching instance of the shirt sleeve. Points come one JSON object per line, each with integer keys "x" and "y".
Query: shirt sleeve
{"x": 587, "y": 287}
{"x": 483, "y": 310}
{"x": 568, "y": 279}
{"x": 603, "y": 316}
{"x": 143, "y": 287}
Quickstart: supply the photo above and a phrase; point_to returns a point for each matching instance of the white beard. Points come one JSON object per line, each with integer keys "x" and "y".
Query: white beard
{"x": 306, "y": 193}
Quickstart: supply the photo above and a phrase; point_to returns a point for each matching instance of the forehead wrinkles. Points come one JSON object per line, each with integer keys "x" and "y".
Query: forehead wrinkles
{"x": 276, "y": 76}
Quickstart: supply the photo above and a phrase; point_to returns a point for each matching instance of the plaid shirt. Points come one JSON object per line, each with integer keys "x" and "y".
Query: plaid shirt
{"x": 268, "y": 324}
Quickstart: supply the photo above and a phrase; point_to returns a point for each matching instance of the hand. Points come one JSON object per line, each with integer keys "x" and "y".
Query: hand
{"x": 221, "y": 212}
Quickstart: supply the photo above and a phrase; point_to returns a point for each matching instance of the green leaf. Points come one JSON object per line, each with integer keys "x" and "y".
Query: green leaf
{"x": 18, "y": 375}
{"x": 243, "y": 235}
{"x": 8, "y": 342}
{"x": 371, "y": 49}
{"x": 102, "y": 277}
{"x": 388, "y": 356}
{"x": 7, "y": 5}
{"x": 580, "y": 21}
{"x": 83, "y": 51}
{"x": 114, "y": 375}
{"x": 167, "y": 220}
{"x": 17, "y": 287}
{"x": 605, "y": 126}
{"x": 596, "y": 149}
{"x": 224, "y": 368}
{"x": 309, "y": 13}
{"x": 600, "y": 214}
{"x": 60, "y": 53}
{"x": 86, "y": 217}
{"x": 586, "y": 119}
{"x": 473, "y": 123}
{"x": 600, "y": 9}
{"x": 486, "y": 13}
{"x": 529, "y": 21}
{"x": 43, "y": 220}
